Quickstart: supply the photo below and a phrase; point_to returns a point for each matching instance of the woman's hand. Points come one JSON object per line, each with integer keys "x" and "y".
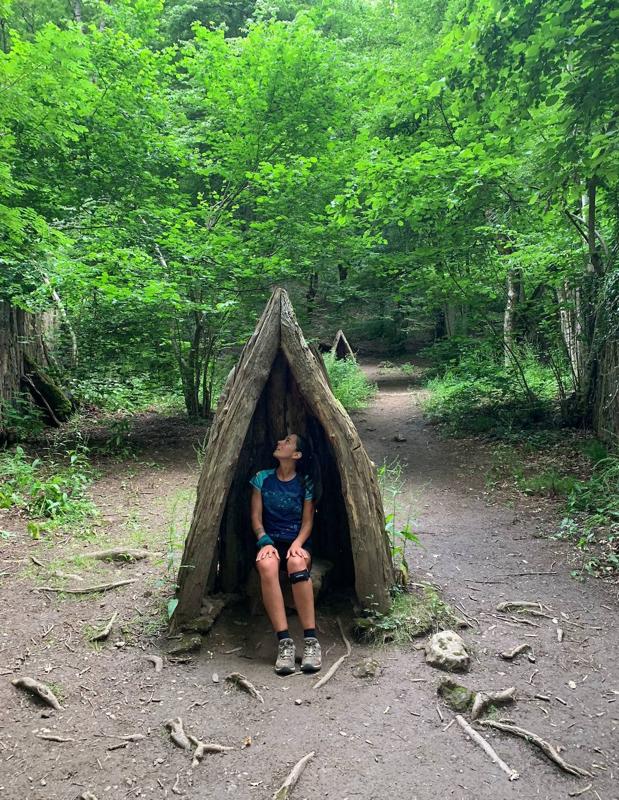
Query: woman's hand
{"x": 268, "y": 551}
{"x": 297, "y": 550}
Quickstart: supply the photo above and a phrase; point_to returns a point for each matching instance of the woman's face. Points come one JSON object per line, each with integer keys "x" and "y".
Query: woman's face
{"x": 287, "y": 448}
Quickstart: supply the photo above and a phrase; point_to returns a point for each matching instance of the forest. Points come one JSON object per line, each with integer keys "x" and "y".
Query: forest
{"x": 437, "y": 178}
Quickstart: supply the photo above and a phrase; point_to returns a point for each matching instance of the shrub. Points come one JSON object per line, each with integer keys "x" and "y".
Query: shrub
{"x": 52, "y": 490}
{"x": 348, "y": 382}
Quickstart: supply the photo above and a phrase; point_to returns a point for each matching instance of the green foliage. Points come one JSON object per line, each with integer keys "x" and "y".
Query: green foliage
{"x": 49, "y": 489}
{"x": 480, "y": 395}
{"x": 348, "y": 382}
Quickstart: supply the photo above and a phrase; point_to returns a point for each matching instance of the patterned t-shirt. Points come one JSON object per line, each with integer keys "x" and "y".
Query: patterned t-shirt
{"x": 282, "y": 503}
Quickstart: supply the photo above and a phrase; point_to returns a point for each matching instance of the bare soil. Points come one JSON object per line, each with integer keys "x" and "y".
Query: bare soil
{"x": 372, "y": 738}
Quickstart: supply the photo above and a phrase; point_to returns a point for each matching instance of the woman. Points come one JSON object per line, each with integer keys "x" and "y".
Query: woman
{"x": 282, "y": 514}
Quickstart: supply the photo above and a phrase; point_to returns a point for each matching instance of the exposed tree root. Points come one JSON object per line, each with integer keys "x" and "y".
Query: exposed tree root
{"x": 205, "y": 747}
{"x": 241, "y": 681}
{"x": 119, "y": 554}
{"x": 101, "y": 587}
{"x": 509, "y": 655}
{"x": 487, "y": 748}
{"x": 104, "y": 632}
{"x": 157, "y": 661}
{"x": 177, "y": 733}
{"x": 293, "y": 776}
{"x": 484, "y": 700}
{"x": 39, "y": 689}
{"x": 543, "y": 745}
{"x": 334, "y": 668}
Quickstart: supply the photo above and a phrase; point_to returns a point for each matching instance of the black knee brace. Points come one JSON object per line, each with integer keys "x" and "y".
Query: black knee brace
{"x": 302, "y": 575}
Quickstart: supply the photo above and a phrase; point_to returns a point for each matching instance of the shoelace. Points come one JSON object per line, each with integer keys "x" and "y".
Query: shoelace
{"x": 285, "y": 650}
{"x": 311, "y": 648}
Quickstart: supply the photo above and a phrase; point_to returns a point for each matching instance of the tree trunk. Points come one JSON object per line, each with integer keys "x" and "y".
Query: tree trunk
{"x": 509, "y": 318}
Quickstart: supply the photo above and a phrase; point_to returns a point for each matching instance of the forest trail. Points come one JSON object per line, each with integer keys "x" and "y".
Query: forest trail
{"x": 373, "y": 738}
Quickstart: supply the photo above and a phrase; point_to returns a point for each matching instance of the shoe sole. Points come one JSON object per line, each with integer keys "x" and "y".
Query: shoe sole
{"x": 284, "y": 671}
{"x": 311, "y": 669}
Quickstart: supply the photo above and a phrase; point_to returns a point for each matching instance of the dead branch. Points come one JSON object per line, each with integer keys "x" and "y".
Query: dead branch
{"x": 39, "y": 689}
{"x": 581, "y": 791}
{"x": 36, "y": 561}
{"x": 241, "y": 681}
{"x": 177, "y": 733}
{"x": 543, "y": 745}
{"x": 157, "y": 661}
{"x": 485, "y": 699}
{"x": 334, "y": 668}
{"x": 175, "y": 788}
{"x": 518, "y": 605}
{"x": 88, "y": 796}
{"x": 53, "y": 737}
{"x": 104, "y": 632}
{"x": 509, "y": 655}
{"x": 119, "y": 554}
{"x": 293, "y": 776}
{"x": 487, "y": 748}
{"x": 205, "y": 747}
{"x": 101, "y": 587}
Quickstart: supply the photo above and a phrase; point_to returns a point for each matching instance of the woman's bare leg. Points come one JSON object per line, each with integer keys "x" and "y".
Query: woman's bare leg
{"x": 303, "y": 593}
{"x": 272, "y": 598}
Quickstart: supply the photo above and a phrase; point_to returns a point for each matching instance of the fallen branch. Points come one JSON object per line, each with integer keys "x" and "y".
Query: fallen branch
{"x": 543, "y": 745}
{"x": 101, "y": 587}
{"x": 177, "y": 733}
{"x": 293, "y": 776}
{"x": 39, "y": 689}
{"x": 241, "y": 681}
{"x": 580, "y": 791}
{"x": 205, "y": 747}
{"x": 119, "y": 554}
{"x": 157, "y": 661}
{"x": 485, "y": 699}
{"x": 509, "y": 655}
{"x": 331, "y": 672}
{"x": 104, "y": 632}
{"x": 487, "y": 748}
{"x": 88, "y": 796}
{"x": 515, "y": 605}
{"x": 53, "y": 737}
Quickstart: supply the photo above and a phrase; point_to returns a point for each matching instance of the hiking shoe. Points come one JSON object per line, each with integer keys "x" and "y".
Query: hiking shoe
{"x": 312, "y": 656}
{"x": 284, "y": 664}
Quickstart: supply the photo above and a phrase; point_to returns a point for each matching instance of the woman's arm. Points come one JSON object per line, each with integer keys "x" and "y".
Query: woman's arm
{"x": 256, "y": 513}
{"x": 307, "y": 522}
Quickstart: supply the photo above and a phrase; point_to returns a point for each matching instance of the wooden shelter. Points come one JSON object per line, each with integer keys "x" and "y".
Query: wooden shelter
{"x": 279, "y": 385}
{"x": 341, "y": 347}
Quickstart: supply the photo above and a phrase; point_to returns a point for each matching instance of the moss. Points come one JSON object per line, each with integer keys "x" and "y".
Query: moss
{"x": 455, "y": 695}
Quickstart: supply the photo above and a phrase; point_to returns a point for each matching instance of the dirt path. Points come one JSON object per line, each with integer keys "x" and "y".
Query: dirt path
{"x": 373, "y": 739}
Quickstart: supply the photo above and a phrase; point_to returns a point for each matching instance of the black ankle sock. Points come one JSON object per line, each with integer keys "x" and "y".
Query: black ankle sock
{"x": 309, "y": 633}
{"x": 283, "y": 635}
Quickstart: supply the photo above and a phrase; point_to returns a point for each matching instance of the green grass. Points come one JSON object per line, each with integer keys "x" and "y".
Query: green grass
{"x": 348, "y": 382}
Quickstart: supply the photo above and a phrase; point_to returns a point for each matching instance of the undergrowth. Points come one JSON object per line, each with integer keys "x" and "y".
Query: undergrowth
{"x": 348, "y": 382}
{"x": 54, "y": 489}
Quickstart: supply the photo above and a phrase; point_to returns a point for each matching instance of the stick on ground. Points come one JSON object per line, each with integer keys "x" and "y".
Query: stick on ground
{"x": 119, "y": 554}
{"x": 334, "y": 668}
{"x": 518, "y": 605}
{"x": 41, "y": 690}
{"x": 104, "y": 632}
{"x": 241, "y": 681}
{"x": 101, "y": 587}
{"x": 177, "y": 733}
{"x": 509, "y": 655}
{"x": 205, "y": 747}
{"x": 487, "y": 748}
{"x": 485, "y": 699}
{"x": 293, "y": 776}
{"x": 543, "y": 745}
{"x": 157, "y": 661}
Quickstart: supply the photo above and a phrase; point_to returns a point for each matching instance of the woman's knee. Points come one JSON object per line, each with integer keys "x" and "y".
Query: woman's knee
{"x": 296, "y": 564}
{"x": 268, "y": 568}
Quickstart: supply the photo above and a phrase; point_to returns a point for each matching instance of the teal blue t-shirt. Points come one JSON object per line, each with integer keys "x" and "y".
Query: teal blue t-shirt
{"x": 282, "y": 503}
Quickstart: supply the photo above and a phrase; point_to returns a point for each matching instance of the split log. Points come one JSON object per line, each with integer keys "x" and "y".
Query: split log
{"x": 119, "y": 554}
{"x": 41, "y": 690}
{"x": 341, "y": 348}
{"x": 104, "y": 632}
{"x": 100, "y": 587}
{"x": 546, "y": 748}
{"x": 293, "y": 776}
{"x": 177, "y": 733}
{"x": 242, "y": 683}
{"x": 487, "y": 748}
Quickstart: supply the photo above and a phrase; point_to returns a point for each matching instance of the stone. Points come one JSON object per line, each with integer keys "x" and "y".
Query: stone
{"x": 457, "y": 697}
{"x": 446, "y": 650}
{"x": 368, "y": 668}
{"x": 186, "y": 644}
{"x": 399, "y": 438}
